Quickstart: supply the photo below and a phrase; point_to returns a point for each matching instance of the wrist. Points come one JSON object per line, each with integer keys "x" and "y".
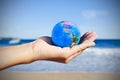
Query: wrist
{"x": 28, "y": 53}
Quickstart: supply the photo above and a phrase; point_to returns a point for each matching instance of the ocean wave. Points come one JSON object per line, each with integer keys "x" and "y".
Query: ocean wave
{"x": 103, "y": 51}
{"x": 14, "y": 41}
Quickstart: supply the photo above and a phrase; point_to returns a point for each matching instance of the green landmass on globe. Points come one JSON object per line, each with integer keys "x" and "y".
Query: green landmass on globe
{"x": 65, "y": 34}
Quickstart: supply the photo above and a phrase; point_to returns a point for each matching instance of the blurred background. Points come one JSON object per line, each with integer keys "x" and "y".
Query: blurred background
{"x": 23, "y": 21}
{"x": 34, "y": 18}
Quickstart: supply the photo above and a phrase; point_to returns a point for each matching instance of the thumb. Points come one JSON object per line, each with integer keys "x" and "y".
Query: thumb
{"x": 81, "y": 47}
{"x": 86, "y": 44}
{"x": 77, "y": 50}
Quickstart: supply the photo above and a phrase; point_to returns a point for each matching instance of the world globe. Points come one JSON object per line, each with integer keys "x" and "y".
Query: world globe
{"x": 65, "y": 34}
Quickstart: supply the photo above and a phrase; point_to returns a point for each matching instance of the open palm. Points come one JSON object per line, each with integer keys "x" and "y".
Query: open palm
{"x": 44, "y": 49}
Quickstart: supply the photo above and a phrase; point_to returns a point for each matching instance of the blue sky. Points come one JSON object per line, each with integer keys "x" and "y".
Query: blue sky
{"x": 35, "y": 18}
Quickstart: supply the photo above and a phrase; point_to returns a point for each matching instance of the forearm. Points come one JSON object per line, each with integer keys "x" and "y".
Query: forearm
{"x": 20, "y": 54}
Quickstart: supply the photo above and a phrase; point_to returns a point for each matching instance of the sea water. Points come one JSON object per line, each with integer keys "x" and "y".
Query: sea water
{"x": 104, "y": 57}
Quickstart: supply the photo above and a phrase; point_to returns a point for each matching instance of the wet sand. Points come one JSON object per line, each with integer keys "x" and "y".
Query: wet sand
{"x": 58, "y": 76}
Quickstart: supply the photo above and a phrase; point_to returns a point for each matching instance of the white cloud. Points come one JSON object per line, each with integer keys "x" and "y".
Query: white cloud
{"x": 89, "y": 14}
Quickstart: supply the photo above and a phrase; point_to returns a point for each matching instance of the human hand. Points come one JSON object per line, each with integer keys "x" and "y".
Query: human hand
{"x": 44, "y": 49}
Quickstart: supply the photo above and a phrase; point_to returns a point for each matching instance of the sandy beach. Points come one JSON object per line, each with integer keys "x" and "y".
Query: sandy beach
{"x": 58, "y": 76}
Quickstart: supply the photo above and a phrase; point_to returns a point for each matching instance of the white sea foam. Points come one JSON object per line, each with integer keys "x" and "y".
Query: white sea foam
{"x": 103, "y": 51}
{"x": 14, "y": 41}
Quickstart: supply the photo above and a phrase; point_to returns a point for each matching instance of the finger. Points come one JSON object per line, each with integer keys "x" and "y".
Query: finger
{"x": 86, "y": 45}
{"x": 76, "y": 53}
{"x": 81, "y": 47}
{"x": 86, "y": 37}
{"x": 85, "y": 34}
{"x": 83, "y": 37}
{"x": 91, "y": 37}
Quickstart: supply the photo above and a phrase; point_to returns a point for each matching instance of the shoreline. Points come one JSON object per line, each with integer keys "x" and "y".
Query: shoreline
{"x": 15, "y": 75}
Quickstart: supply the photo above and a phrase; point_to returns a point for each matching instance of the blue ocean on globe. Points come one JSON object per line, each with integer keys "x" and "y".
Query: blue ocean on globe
{"x": 65, "y": 34}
